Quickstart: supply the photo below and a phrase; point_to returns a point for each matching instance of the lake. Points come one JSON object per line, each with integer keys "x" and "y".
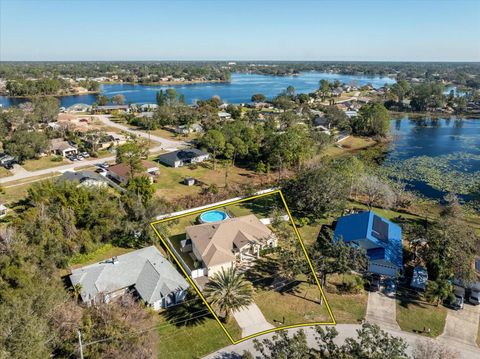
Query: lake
{"x": 436, "y": 156}
{"x": 239, "y": 90}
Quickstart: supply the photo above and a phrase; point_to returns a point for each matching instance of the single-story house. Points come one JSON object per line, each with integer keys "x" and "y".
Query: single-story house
{"x": 121, "y": 171}
{"x": 185, "y": 129}
{"x": 351, "y": 113}
{"x": 183, "y": 157}
{"x": 146, "y": 271}
{"x": 3, "y": 210}
{"x": 148, "y": 107}
{"x": 61, "y": 147}
{"x": 224, "y": 116}
{"x": 223, "y": 244}
{"x": 88, "y": 179}
{"x": 381, "y": 239}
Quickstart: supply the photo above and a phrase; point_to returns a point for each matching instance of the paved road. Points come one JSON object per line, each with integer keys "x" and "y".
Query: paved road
{"x": 19, "y": 173}
{"x": 345, "y": 331}
{"x": 382, "y": 310}
{"x": 251, "y": 320}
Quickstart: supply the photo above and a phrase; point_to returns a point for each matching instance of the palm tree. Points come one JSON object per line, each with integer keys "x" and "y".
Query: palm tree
{"x": 76, "y": 291}
{"x": 229, "y": 291}
{"x": 438, "y": 290}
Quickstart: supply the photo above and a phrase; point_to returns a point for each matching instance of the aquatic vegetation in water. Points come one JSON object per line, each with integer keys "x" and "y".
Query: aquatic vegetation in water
{"x": 447, "y": 173}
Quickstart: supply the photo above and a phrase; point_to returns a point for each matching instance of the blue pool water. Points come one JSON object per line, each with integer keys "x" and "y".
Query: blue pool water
{"x": 213, "y": 216}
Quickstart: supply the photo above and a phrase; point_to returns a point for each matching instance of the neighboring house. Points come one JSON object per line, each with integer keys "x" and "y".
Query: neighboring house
{"x": 88, "y": 179}
{"x": 381, "y": 239}
{"x": 61, "y": 147}
{"x": 3, "y": 210}
{"x": 185, "y": 129}
{"x": 121, "y": 172}
{"x": 223, "y": 244}
{"x": 351, "y": 113}
{"x": 148, "y": 107}
{"x": 183, "y": 157}
{"x": 224, "y": 116}
{"x": 145, "y": 271}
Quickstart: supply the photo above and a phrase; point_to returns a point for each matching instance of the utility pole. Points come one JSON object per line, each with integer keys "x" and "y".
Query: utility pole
{"x": 80, "y": 343}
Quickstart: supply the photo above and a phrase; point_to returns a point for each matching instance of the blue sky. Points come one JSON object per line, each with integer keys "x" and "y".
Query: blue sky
{"x": 403, "y": 30}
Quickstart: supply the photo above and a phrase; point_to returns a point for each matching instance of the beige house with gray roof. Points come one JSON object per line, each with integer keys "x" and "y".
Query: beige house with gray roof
{"x": 229, "y": 242}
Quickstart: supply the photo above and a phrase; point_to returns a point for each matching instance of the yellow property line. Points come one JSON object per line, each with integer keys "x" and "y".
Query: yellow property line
{"x": 165, "y": 243}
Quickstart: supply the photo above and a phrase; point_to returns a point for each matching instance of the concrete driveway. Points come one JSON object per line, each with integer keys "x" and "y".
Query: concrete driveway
{"x": 251, "y": 320}
{"x": 382, "y": 310}
{"x": 461, "y": 326}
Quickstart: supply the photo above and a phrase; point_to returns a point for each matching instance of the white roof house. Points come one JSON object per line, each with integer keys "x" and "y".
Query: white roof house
{"x": 146, "y": 271}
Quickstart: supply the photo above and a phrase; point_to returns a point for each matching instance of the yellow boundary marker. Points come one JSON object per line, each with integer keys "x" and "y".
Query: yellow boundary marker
{"x": 332, "y": 322}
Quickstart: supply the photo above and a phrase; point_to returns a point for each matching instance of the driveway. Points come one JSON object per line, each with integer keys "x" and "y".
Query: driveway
{"x": 251, "y": 320}
{"x": 461, "y": 326}
{"x": 382, "y": 310}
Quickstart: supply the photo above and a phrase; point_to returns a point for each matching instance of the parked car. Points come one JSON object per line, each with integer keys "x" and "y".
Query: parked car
{"x": 474, "y": 297}
{"x": 80, "y": 158}
{"x": 72, "y": 158}
{"x": 104, "y": 165}
{"x": 85, "y": 154}
{"x": 457, "y": 300}
{"x": 374, "y": 283}
{"x": 390, "y": 288}
{"x": 101, "y": 171}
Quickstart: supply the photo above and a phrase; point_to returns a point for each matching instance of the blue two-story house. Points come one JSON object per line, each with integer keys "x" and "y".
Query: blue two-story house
{"x": 381, "y": 239}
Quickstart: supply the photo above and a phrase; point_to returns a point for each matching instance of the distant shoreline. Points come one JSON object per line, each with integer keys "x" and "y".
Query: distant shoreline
{"x": 165, "y": 83}
{"x": 54, "y": 95}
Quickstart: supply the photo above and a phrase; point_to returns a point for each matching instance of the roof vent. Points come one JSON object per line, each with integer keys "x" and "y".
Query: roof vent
{"x": 114, "y": 259}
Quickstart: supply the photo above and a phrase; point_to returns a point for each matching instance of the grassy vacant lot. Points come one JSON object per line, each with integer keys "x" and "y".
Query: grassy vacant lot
{"x": 170, "y": 181}
{"x": 415, "y": 316}
{"x": 347, "y": 146}
{"x": 295, "y": 305}
{"x": 43, "y": 162}
{"x": 193, "y": 341}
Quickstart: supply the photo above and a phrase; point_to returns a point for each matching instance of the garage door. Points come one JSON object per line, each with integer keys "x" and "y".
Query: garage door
{"x": 383, "y": 270}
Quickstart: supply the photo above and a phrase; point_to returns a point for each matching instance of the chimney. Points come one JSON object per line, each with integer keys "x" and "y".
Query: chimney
{"x": 114, "y": 259}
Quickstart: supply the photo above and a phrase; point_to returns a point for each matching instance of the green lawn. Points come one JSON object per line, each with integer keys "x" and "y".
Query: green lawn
{"x": 187, "y": 342}
{"x": 261, "y": 207}
{"x": 297, "y": 307}
{"x": 347, "y": 146}
{"x": 346, "y": 308}
{"x": 169, "y": 183}
{"x": 101, "y": 253}
{"x": 415, "y": 316}
{"x": 43, "y": 162}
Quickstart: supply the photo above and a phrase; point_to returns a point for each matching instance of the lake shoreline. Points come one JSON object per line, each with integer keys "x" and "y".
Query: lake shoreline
{"x": 56, "y": 95}
{"x": 165, "y": 83}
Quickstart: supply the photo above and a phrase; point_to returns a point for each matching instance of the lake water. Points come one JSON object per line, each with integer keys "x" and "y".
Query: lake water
{"x": 239, "y": 90}
{"x": 436, "y": 156}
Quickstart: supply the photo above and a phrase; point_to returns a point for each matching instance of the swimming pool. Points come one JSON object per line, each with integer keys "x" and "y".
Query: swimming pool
{"x": 213, "y": 216}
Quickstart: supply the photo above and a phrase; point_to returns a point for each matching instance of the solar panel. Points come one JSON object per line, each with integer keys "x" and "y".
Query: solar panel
{"x": 380, "y": 229}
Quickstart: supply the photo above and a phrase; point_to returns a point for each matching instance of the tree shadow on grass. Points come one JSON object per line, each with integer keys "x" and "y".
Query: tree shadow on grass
{"x": 191, "y": 312}
{"x": 262, "y": 274}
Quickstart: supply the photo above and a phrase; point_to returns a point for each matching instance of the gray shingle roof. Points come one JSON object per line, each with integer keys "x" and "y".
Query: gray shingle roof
{"x": 181, "y": 155}
{"x": 145, "y": 269}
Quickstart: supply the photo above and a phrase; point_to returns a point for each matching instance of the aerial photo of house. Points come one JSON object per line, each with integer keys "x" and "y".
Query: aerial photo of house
{"x": 227, "y": 243}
